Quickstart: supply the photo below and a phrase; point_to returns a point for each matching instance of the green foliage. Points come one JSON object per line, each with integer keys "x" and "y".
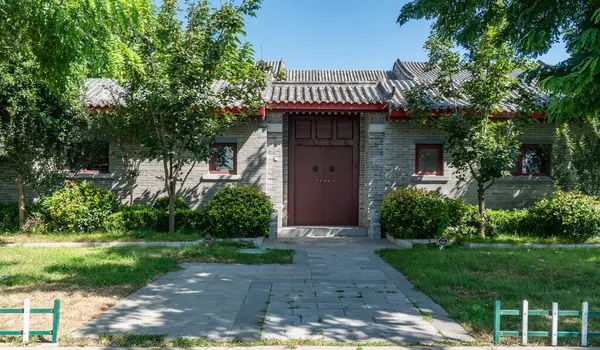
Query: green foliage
{"x": 516, "y": 222}
{"x": 412, "y": 213}
{"x": 531, "y": 29}
{"x": 79, "y": 207}
{"x": 58, "y": 36}
{"x": 566, "y": 214}
{"x": 135, "y": 217}
{"x": 192, "y": 70}
{"x": 9, "y": 216}
{"x": 145, "y": 217}
{"x": 162, "y": 204}
{"x": 576, "y": 164}
{"x": 238, "y": 211}
{"x": 480, "y": 148}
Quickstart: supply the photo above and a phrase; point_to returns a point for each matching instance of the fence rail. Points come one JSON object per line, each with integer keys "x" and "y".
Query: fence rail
{"x": 554, "y": 334}
{"x": 27, "y": 311}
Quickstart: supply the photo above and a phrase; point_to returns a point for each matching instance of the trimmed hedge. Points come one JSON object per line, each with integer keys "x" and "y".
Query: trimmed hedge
{"x": 571, "y": 215}
{"x": 238, "y": 211}
{"x": 414, "y": 213}
{"x": 411, "y": 213}
{"x": 235, "y": 211}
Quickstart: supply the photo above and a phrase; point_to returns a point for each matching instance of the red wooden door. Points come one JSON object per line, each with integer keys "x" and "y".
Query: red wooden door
{"x": 323, "y": 170}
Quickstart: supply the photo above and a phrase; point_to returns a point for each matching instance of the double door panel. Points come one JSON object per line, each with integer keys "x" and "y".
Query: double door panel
{"x": 324, "y": 172}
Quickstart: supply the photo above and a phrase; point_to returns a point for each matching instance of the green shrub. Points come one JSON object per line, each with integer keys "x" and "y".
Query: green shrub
{"x": 162, "y": 203}
{"x": 507, "y": 222}
{"x": 238, "y": 211}
{"x": 146, "y": 217}
{"x": 135, "y": 217}
{"x": 9, "y": 216}
{"x": 189, "y": 220}
{"x": 570, "y": 215}
{"x": 80, "y": 207}
{"x": 413, "y": 213}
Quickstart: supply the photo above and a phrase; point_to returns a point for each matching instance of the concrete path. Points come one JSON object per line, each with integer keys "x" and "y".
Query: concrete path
{"x": 337, "y": 289}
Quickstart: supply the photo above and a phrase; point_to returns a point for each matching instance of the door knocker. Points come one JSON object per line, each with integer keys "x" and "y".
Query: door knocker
{"x": 331, "y": 168}
{"x": 315, "y": 168}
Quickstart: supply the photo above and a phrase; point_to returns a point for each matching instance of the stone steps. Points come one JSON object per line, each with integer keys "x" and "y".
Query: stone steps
{"x": 323, "y": 231}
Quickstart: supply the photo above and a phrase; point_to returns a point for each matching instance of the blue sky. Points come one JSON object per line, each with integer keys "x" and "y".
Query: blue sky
{"x": 341, "y": 34}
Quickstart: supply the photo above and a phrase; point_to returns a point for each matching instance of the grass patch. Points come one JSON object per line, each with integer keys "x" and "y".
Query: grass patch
{"x": 466, "y": 282}
{"x": 91, "y": 280}
{"x": 130, "y": 266}
{"x": 111, "y": 236}
{"x": 526, "y": 240}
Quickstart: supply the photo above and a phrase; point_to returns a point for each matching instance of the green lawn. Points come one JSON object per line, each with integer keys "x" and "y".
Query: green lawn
{"x": 117, "y": 266}
{"x": 466, "y": 282}
{"x": 526, "y": 240}
{"x": 111, "y": 236}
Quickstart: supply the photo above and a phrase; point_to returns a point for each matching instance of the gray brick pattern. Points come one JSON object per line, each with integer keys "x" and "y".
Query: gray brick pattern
{"x": 510, "y": 192}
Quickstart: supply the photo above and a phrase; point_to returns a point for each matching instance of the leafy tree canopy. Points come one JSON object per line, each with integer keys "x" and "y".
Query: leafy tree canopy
{"x": 530, "y": 28}
{"x": 197, "y": 80}
{"x": 463, "y": 99}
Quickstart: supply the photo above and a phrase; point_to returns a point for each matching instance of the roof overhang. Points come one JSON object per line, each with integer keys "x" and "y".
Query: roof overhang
{"x": 326, "y": 107}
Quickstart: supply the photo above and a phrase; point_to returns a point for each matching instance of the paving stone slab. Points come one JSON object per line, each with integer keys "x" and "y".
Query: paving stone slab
{"x": 336, "y": 290}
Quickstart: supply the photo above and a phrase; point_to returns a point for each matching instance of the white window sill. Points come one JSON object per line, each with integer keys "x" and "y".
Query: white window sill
{"x": 221, "y": 177}
{"x": 100, "y": 176}
{"x": 525, "y": 178}
{"x": 430, "y": 179}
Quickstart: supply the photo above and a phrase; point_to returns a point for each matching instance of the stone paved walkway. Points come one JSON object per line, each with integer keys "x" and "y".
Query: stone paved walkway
{"x": 337, "y": 289}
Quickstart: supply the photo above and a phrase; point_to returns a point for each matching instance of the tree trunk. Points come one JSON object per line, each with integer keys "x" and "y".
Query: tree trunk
{"x": 481, "y": 198}
{"x": 20, "y": 201}
{"x": 172, "y": 196}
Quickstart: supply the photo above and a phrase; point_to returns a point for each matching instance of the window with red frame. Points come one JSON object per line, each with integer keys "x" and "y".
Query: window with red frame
{"x": 223, "y": 158}
{"x": 429, "y": 160}
{"x": 533, "y": 160}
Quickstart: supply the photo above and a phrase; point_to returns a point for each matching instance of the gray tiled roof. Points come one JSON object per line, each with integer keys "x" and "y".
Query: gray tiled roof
{"x": 329, "y": 86}
{"x": 357, "y": 93}
{"x": 337, "y": 76}
{"x": 101, "y": 92}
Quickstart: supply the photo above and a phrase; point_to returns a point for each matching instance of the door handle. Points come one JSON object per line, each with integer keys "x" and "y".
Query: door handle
{"x": 331, "y": 168}
{"x": 315, "y": 168}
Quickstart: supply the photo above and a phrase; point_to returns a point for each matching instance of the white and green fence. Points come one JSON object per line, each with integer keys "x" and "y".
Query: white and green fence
{"x": 27, "y": 311}
{"x": 584, "y": 334}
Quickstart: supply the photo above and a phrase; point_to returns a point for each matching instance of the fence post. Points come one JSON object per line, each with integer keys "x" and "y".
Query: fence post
{"x": 497, "y": 323}
{"x": 26, "y": 312}
{"x": 55, "y": 321}
{"x": 525, "y": 312}
{"x": 554, "y": 324}
{"x": 584, "y": 323}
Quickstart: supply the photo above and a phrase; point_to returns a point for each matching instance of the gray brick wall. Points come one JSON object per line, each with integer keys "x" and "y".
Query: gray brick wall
{"x": 251, "y": 140}
{"x": 387, "y": 161}
{"x": 274, "y": 167}
{"x": 509, "y": 192}
{"x": 252, "y": 150}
